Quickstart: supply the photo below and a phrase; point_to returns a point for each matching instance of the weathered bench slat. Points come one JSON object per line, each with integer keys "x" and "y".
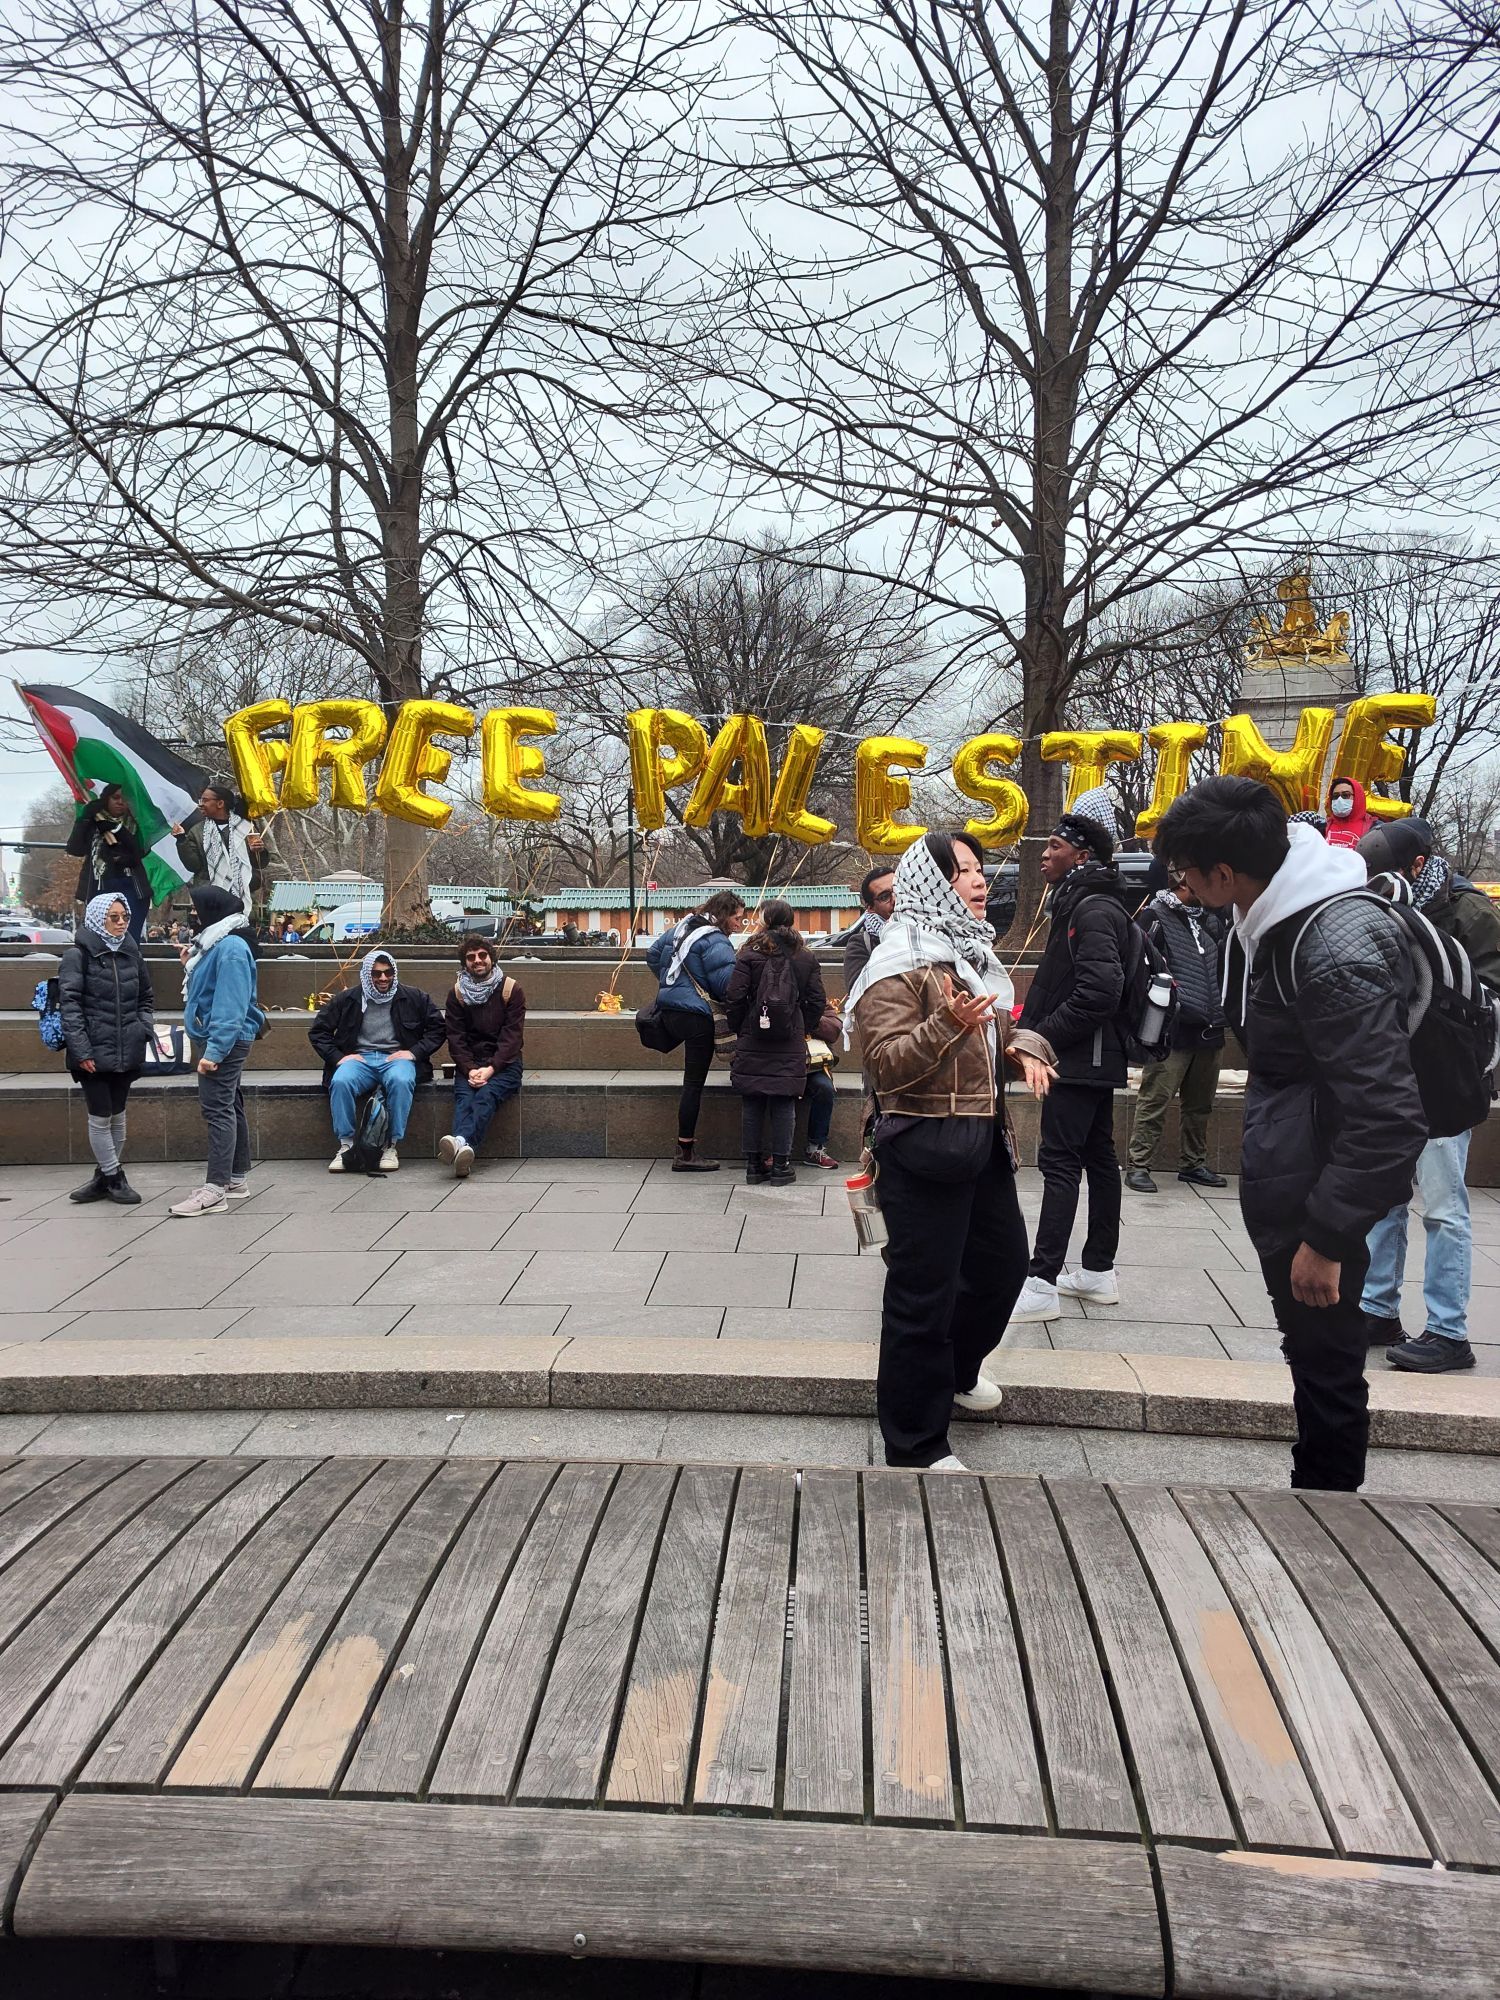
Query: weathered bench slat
{"x": 571, "y": 1737}
{"x": 1481, "y": 1525}
{"x": 1464, "y": 1573}
{"x": 1267, "y": 1785}
{"x": 997, "y": 1755}
{"x": 1361, "y": 1794}
{"x": 742, "y": 1701}
{"x": 33, "y": 1513}
{"x": 654, "y": 1747}
{"x": 60, "y": 1734}
{"x": 1174, "y": 1768}
{"x": 487, "y": 1741}
{"x": 22, "y": 1816}
{"x": 39, "y": 1655}
{"x": 50, "y": 1560}
{"x": 224, "y": 1746}
{"x": 400, "y": 1744}
{"x": 825, "y": 1724}
{"x": 312, "y": 1743}
{"x": 20, "y": 1476}
{"x": 1086, "y": 1771}
{"x": 141, "y": 1742}
{"x": 1459, "y": 1664}
{"x": 909, "y": 1762}
{"x": 1455, "y": 1807}
{"x": 888, "y": 1900}
{"x": 1291, "y": 1927}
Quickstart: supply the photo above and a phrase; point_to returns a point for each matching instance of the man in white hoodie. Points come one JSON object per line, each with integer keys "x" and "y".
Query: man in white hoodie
{"x": 1316, "y": 987}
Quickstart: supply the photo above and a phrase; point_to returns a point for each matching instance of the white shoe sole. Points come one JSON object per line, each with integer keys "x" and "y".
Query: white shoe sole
{"x": 238, "y": 1194}
{"x": 981, "y": 1400}
{"x": 336, "y": 1164}
{"x": 192, "y": 1214}
{"x": 447, "y": 1149}
{"x": 463, "y": 1161}
{"x": 389, "y": 1164}
{"x": 1090, "y": 1297}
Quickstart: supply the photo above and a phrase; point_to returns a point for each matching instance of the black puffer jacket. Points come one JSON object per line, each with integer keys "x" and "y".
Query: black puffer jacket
{"x": 770, "y": 1065}
{"x": 108, "y": 1007}
{"x": 1189, "y": 940}
{"x": 1333, "y": 1116}
{"x": 1075, "y": 997}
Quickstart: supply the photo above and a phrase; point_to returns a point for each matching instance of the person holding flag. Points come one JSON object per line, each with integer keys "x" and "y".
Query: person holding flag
{"x": 131, "y": 791}
{"x": 224, "y": 851}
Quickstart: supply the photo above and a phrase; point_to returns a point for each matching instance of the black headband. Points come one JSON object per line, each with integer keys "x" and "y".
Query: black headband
{"x": 1080, "y": 832}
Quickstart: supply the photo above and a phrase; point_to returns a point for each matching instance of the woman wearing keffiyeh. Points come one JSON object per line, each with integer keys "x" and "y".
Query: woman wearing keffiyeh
{"x": 933, "y": 1008}
{"x": 104, "y": 993}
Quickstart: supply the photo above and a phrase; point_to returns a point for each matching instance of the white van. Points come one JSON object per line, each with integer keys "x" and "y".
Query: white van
{"x": 356, "y": 920}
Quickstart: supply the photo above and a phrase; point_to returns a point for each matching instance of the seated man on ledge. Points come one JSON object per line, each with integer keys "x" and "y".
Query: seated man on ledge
{"x": 383, "y": 1038}
{"x": 485, "y": 1017}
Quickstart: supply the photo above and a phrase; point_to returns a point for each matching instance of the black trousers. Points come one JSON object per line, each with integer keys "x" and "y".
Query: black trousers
{"x": 696, "y": 1030}
{"x": 955, "y": 1263}
{"x": 1325, "y": 1348}
{"x": 757, "y": 1111}
{"x": 1078, "y": 1138}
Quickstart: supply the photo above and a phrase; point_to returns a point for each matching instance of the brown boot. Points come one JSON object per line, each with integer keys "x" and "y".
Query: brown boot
{"x": 687, "y": 1161}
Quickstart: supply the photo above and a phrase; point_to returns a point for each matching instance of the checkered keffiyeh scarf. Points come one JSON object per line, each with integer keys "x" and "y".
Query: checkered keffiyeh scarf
{"x": 367, "y": 984}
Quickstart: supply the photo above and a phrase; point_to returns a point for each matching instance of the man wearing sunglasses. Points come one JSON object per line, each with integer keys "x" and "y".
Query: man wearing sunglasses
{"x": 485, "y": 1018}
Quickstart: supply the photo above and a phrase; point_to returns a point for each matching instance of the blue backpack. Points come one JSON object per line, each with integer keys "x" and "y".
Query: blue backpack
{"x": 47, "y": 1002}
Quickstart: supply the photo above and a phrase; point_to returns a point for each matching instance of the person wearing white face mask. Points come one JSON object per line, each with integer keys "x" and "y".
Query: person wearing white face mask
{"x": 1349, "y": 819}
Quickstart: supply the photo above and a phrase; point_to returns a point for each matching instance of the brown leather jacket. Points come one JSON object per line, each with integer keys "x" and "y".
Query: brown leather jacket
{"x": 920, "y": 1062}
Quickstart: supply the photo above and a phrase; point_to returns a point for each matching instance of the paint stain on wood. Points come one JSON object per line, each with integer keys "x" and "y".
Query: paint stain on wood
{"x": 310, "y": 1747}
{"x": 1249, "y": 1706}
{"x": 655, "y": 1732}
{"x": 223, "y": 1747}
{"x": 1316, "y": 1866}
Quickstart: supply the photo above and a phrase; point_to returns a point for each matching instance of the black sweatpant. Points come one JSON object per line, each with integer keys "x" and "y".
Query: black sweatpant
{"x": 1325, "y": 1348}
{"x": 955, "y": 1262}
{"x": 1077, "y": 1138}
{"x": 695, "y": 1029}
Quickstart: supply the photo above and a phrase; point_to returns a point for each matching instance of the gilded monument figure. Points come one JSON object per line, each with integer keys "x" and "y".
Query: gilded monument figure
{"x": 1299, "y": 636}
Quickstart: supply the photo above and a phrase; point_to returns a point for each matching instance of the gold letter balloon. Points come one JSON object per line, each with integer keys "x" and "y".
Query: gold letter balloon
{"x": 506, "y": 762}
{"x": 412, "y": 760}
{"x": 878, "y": 793}
{"x": 648, "y": 732}
{"x": 741, "y": 741}
{"x": 1008, "y": 804}
{"x": 344, "y": 757}
{"x": 1363, "y": 752}
{"x": 256, "y": 762}
{"x": 1089, "y": 754}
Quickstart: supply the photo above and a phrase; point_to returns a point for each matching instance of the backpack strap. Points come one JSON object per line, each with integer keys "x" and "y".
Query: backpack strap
{"x": 1431, "y": 962}
{"x": 507, "y": 988}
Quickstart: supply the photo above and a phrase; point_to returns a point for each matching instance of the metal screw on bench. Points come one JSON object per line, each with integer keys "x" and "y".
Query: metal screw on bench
{"x": 580, "y": 1940}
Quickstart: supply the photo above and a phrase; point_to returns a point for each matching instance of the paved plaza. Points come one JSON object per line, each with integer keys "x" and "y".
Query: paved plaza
{"x": 592, "y": 1249}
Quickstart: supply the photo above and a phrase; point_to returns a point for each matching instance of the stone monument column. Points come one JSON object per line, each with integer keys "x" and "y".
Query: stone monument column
{"x": 1300, "y": 664}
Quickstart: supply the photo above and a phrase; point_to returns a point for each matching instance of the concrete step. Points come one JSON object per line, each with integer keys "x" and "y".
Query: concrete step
{"x": 554, "y": 1040}
{"x": 455, "y": 1371}
{"x": 560, "y": 1114}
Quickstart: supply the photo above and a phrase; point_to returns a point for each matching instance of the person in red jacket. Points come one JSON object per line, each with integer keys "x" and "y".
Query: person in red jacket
{"x": 485, "y": 1017}
{"x": 1348, "y": 819}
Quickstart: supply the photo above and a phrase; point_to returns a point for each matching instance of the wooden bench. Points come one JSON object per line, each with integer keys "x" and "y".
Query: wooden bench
{"x": 1111, "y": 1739}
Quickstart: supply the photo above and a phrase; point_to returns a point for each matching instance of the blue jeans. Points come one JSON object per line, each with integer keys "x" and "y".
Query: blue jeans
{"x": 396, "y": 1081}
{"x": 819, "y": 1095}
{"x": 473, "y": 1109}
{"x": 1445, "y": 1217}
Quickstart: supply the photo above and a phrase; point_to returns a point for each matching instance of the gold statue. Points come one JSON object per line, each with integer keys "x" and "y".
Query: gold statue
{"x": 1299, "y": 636}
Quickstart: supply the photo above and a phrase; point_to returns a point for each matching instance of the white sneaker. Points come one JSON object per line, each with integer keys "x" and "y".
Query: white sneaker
{"x": 463, "y": 1160}
{"x": 447, "y": 1147}
{"x": 1038, "y": 1300}
{"x": 1099, "y": 1288}
{"x": 336, "y": 1164}
{"x": 389, "y": 1164}
{"x": 202, "y": 1201}
{"x": 986, "y": 1394}
{"x": 949, "y": 1464}
{"x": 238, "y": 1190}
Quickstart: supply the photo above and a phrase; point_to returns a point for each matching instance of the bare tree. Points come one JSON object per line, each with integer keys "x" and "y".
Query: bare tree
{"x": 336, "y": 317}
{"x": 1104, "y": 295}
{"x": 48, "y": 880}
{"x": 761, "y": 630}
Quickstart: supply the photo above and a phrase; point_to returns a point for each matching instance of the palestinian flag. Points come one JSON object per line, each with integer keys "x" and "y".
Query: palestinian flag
{"x": 95, "y": 747}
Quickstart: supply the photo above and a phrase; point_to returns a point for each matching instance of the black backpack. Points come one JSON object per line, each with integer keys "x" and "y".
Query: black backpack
{"x": 371, "y": 1137}
{"x": 1144, "y": 1027}
{"x": 776, "y": 1012}
{"x": 1453, "y": 1019}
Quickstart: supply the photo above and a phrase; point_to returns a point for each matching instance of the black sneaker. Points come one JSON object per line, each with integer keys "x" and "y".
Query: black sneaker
{"x": 1139, "y": 1181}
{"x": 1201, "y": 1177}
{"x": 1431, "y": 1354}
{"x": 1382, "y": 1332}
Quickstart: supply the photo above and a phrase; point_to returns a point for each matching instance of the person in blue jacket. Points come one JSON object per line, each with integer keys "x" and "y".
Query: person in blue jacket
{"x": 223, "y": 1012}
{"x": 692, "y": 963}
